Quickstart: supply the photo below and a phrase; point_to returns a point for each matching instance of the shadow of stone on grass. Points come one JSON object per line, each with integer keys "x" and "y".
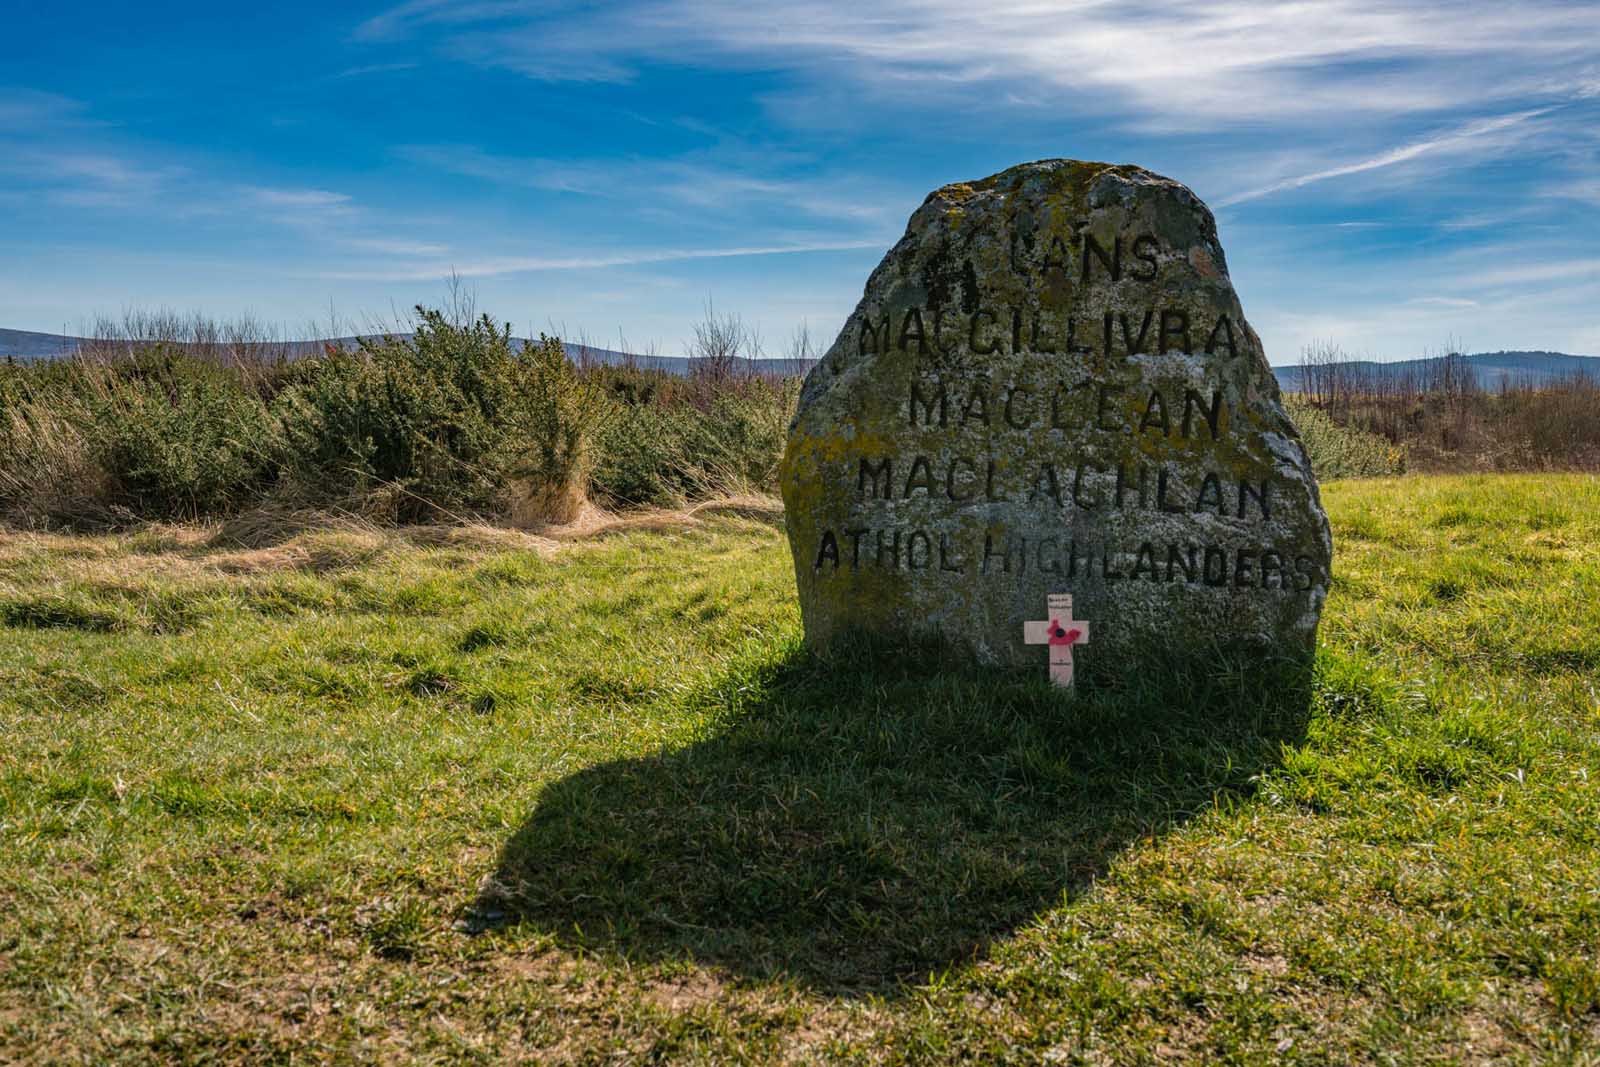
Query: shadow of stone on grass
{"x": 855, "y": 824}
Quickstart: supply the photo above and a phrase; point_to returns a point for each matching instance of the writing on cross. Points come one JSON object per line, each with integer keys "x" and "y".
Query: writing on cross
{"x": 1060, "y": 632}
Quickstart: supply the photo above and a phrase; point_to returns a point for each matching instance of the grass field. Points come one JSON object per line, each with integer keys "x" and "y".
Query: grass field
{"x": 467, "y": 796}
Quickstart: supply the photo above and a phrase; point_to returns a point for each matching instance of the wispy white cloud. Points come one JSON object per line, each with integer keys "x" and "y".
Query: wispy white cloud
{"x": 86, "y": 178}
{"x": 1373, "y": 325}
{"x": 1443, "y": 302}
{"x": 1584, "y": 190}
{"x": 30, "y": 109}
{"x": 1222, "y": 61}
{"x": 494, "y": 266}
{"x": 106, "y": 170}
{"x": 103, "y": 180}
{"x": 1473, "y": 136}
{"x": 1587, "y": 341}
{"x": 374, "y": 68}
{"x": 696, "y": 183}
{"x": 399, "y": 20}
{"x": 1531, "y": 273}
{"x": 319, "y": 212}
{"x": 397, "y": 246}
{"x": 300, "y": 198}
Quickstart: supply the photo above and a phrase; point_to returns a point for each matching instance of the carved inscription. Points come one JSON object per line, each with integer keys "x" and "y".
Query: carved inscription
{"x": 987, "y": 331}
{"x": 1076, "y": 405}
{"x": 1188, "y": 562}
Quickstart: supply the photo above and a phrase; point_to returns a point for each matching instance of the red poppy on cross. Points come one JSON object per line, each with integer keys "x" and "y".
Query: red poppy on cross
{"x": 1061, "y": 631}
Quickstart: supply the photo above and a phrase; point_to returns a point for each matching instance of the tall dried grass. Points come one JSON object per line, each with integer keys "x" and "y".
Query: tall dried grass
{"x": 1444, "y": 421}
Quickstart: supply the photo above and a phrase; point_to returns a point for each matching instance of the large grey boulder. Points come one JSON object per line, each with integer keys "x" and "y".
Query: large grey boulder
{"x": 1049, "y": 387}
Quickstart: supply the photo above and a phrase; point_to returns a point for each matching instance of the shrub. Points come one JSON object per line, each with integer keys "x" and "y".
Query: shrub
{"x": 689, "y": 440}
{"x": 639, "y": 458}
{"x": 449, "y": 418}
{"x": 551, "y": 433}
{"x": 181, "y": 438}
{"x": 159, "y": 434}
{"x": 738, "y": 446}
{"x": 1343, "y": 451}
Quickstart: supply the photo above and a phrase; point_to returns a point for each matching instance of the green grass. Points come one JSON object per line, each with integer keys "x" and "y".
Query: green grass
{"x": 469, "y": 798}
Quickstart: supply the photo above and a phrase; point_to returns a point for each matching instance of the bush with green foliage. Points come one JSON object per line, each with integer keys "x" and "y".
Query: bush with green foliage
{"x": 678, "y": 441}
{"x": 1339, "y": 451}
{"x": 454, "y": 420}
{"x": 552, "y": 433}
{"x": 181, "y": 438}
{"x": 452, "y": 417}
{"x": 158, "y": 434}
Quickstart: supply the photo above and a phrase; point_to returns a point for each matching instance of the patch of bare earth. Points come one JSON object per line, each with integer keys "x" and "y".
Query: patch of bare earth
{"x": 825, "y": 1027}
{"x": 593, "y": 521}
{"x": 684, "y": 992}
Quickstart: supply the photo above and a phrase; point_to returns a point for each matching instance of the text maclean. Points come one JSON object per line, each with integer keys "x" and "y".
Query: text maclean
{"x": 1086, "y": 404}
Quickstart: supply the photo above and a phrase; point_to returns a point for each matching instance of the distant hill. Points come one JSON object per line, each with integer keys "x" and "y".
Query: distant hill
{"x": 27, "y": 345}
{"x": 680, "y": 365}
{"x": 1492, "y": 369}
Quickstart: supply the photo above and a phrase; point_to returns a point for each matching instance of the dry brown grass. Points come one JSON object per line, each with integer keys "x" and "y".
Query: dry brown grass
{"x": 1447, "y": 423}
{"x": 531, "y": 505}
{"x": 266, "y": 541}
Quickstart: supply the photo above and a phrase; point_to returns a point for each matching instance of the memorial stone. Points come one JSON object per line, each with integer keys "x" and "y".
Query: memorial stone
{"x": 1049, "y": 389}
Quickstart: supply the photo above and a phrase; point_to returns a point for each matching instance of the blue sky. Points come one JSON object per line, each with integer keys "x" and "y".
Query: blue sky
{"x": 1391, "y": 176}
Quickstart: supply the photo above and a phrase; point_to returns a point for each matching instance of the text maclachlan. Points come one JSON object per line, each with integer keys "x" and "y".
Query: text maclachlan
{"x": 1086, "y": 486}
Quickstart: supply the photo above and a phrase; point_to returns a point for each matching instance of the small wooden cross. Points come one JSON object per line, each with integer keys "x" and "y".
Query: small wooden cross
{"x": 1060, "y": 632}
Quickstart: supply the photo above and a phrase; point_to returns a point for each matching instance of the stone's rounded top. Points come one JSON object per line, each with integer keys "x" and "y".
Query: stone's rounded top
{"x": 1060, "y": 171}
{"x": 1094, "y": 185}
{"x": 1049, "y": 387}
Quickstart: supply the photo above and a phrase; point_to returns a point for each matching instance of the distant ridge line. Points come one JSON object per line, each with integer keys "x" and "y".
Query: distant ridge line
{"x": 1490, "y": 370}
{"x": 27, "y": 345}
